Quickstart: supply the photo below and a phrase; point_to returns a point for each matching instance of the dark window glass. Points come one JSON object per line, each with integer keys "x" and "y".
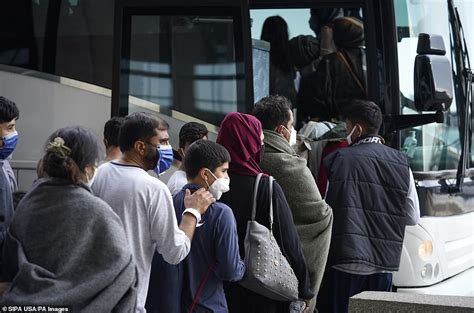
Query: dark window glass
{"x": 67, "y": 38}
{"x": 185, "y": 63}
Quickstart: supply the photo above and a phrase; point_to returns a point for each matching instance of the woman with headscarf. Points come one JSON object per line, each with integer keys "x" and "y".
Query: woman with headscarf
{"x": 66, "y": 247}
{"x": 242, "y": 136}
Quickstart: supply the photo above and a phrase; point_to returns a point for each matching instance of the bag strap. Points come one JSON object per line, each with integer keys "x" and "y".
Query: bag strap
{"x": 271, "y": 203}
{"x": 255, "y": 191}
{"x": 354, "y": 76}
{"x": 202, "y": 284}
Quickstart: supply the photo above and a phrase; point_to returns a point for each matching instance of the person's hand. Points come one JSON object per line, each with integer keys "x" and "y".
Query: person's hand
{"x": 200, "y": 200}
{"x": 326, "y": 41}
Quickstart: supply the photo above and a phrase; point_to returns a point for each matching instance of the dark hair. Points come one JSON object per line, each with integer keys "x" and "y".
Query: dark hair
{"x": 139, "y": 126}
{"x": 68, "y": 160}
{"x": 272, "y": 111}
{"x": 8, "y": 110}
{"x": 275, "y": 31}
{"x": 190, "y": 132}
{"x": 204, "y": 154}
{"x": 111, "y": 131}
{"x": 364, "y": 112}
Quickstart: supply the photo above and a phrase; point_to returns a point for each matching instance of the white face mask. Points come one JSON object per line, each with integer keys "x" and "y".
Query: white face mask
{"x": 219, "y": 186}
{"x": 349, "y": 137}
{"x": 292, "y": 140}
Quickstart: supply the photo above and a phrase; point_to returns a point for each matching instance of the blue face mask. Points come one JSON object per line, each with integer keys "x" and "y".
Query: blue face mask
{"x": 166, "y": 159}
{"x": 9, "y": 144}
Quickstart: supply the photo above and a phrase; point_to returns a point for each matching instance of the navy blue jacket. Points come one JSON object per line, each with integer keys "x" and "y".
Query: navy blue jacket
{"x": 215, "y": 244}
{"x": 368, "y": 187}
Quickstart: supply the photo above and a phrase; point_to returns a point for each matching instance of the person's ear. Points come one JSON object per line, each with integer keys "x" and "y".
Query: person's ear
{"x": 204, "y": 174}
{"x": 181, "y": 153}
{"x": 279, "y": 129}
{"x": 105, "y": 143}
{"x": 89, "y": 171}
{"x": 140, "y": 147}
{"x": 359, "y": 129}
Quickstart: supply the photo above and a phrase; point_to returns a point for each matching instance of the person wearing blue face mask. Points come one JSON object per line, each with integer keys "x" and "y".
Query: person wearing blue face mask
{"x": 143, "y": 202}
{"x": 8, "y": 140}
{"x": 165, "y": 160}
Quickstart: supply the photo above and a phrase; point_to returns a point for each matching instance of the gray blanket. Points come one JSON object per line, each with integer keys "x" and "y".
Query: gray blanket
{"x": 311, "y": 214}
{"x": 67, "y": 247}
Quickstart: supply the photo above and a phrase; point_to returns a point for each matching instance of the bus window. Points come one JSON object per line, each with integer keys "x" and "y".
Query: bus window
{"x": 183, "y": 63}
{"x": 431, "y": 147}
{"x": 66, "y": 38}
{"x": 306, "y": 65}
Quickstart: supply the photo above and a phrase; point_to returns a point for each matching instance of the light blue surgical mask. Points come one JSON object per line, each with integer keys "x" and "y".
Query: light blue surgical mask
{"x": 166, "y": 159}
{"x": 9, "y": 144}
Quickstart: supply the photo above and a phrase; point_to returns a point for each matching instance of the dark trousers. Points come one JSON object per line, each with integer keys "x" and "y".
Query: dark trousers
{"x": 164, "y": 290}
{"x": 337, "y": 287}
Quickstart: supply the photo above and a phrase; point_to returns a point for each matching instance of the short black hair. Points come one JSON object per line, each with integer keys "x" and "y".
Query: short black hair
{"x": 364, "y": 112}
{"x": 190, "y": 132}
{"x": 111, "y": 131}
{"x": 139, "y": 126}
{"x": 8, "y": 110}
{"x": 204, "y": 154}
{"x": 84, "y": 150}
{"x": 272, "y": 111}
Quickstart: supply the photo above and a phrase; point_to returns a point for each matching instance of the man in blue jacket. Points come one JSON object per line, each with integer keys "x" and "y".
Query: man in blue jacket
{"x": 214, "y": 256}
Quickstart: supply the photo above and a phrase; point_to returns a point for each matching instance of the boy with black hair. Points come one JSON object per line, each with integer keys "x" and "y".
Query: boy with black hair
{"x": 111, "y": 138}
{"x": 189, "y": 133}
{"x": 214, "y": 256}
{"x": 8, "y": 139}
{"x": 373, "y": 195}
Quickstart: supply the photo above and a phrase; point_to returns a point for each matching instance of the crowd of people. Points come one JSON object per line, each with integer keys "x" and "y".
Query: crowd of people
{"x": 100, "y": 233}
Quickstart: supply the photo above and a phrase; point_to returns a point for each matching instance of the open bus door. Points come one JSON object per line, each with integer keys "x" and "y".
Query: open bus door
{"x": 380, "y": 39}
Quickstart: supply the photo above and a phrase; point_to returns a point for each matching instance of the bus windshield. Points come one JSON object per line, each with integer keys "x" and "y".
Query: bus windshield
{"x": 432, "y": 147}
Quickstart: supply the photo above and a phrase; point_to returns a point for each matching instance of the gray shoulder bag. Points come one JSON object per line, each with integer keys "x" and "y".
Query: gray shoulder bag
{"x": 268, "y": 273}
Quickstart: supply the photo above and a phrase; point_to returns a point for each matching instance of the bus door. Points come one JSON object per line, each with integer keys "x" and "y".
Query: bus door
{"x": 306, "y": 25}
{"x": 185, "y": 60}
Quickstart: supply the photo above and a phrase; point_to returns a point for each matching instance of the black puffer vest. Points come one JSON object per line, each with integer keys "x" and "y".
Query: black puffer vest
{"x": 368, "y": 187}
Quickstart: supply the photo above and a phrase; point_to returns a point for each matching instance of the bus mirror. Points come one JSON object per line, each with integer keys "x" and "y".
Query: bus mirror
{"x": 433, "y": 81}
{"x": 430, "y": 44}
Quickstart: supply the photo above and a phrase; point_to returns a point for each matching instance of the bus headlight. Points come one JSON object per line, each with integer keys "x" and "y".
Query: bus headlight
{"x": 425, "y": 250}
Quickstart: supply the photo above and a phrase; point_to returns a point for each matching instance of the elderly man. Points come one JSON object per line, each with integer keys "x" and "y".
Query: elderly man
{"x": 311, "y": 215}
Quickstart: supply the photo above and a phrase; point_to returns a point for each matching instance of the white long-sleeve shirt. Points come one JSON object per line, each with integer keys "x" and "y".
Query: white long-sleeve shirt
{"x": 413, "y": 204}
{"x": 145, "y": 206}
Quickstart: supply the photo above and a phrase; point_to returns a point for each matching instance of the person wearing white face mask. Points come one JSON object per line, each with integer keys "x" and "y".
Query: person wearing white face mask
{"x": 311, "y": 214}
{"x": 214, "y": 255}
{"x": 371, "y": 187}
